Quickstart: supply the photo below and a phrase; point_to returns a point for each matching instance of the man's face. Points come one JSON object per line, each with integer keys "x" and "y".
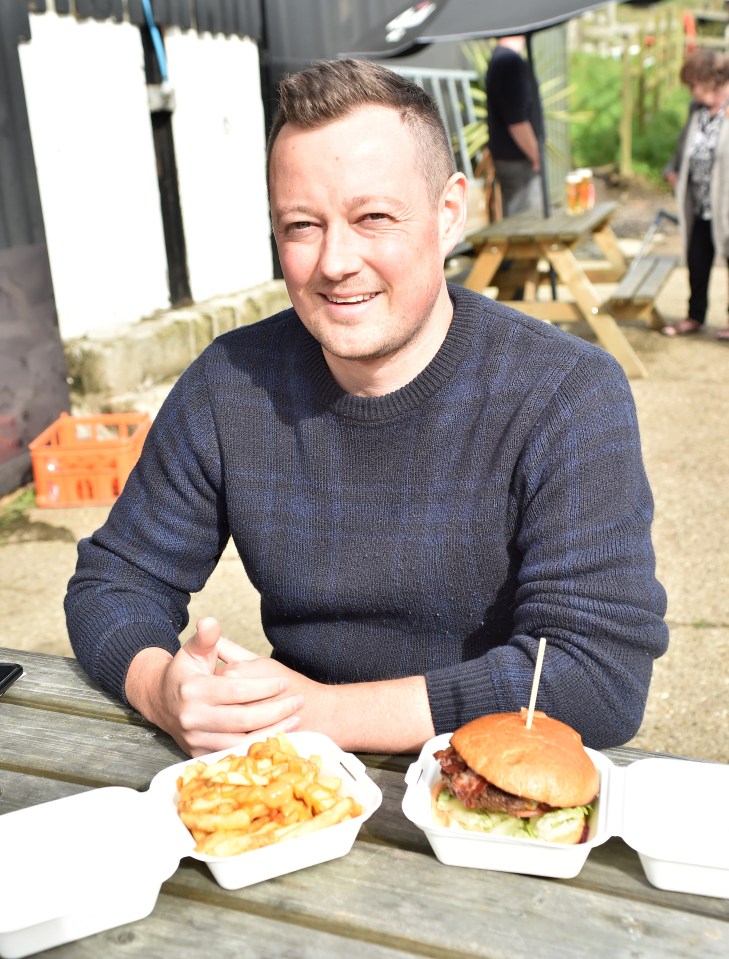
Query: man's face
{"x": 361, "y": 241}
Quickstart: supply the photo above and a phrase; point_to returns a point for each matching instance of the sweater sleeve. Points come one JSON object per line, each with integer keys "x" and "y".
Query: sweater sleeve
{"x": 162, "y": 539}
{"x": 587, "y": 576}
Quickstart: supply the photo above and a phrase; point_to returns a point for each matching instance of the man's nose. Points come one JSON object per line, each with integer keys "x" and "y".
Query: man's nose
{"x": 340, "y": 252}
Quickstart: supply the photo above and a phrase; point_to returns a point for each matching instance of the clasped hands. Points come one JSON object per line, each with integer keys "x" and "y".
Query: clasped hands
{"x": 213, "y": 692}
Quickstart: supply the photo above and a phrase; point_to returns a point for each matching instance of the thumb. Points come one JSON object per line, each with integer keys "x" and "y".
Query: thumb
{"x": 203, "y": 645}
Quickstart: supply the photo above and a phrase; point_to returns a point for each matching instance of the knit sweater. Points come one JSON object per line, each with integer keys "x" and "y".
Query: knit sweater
{"x": 438, "y": 530}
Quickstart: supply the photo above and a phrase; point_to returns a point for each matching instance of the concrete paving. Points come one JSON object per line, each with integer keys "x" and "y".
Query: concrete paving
{"x": 682, "y": 408}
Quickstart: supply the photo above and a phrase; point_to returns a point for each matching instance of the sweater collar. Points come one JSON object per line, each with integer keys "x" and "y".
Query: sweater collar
{"x": 467, "y": 309}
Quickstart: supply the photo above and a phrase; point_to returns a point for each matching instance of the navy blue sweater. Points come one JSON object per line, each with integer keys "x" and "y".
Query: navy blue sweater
{"x": 439, "y": 530}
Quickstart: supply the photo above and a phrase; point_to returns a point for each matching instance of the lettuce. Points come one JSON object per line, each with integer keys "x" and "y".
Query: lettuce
{"x": 548, "y": 827}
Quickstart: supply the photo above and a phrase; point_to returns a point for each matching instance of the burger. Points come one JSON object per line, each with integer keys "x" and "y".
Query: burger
{"x": 504, "y": 778}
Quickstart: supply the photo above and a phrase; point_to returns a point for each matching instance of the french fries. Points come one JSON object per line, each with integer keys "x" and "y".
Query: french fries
{"x": 241, "y": 803}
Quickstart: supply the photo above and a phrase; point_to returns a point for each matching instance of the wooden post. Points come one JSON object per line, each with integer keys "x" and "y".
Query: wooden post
{"x": 626, "y": 123}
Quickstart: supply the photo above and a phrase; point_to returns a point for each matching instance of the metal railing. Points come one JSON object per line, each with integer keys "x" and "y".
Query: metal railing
{"x": 451, "y": 90}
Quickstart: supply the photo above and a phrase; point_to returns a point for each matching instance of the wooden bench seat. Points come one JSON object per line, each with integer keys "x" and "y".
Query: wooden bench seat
{"x": 635, "y": 295}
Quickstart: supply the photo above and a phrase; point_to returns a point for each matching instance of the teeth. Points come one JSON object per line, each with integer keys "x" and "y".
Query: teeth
{"x": 351, "y": 299}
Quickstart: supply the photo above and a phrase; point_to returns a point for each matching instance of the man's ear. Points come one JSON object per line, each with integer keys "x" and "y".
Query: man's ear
{"x": 453, "y": 211}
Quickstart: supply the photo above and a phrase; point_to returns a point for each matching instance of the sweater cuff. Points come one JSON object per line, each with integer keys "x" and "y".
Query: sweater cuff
{"x": 121, "y": 646}
{"x": 460, "y": 693}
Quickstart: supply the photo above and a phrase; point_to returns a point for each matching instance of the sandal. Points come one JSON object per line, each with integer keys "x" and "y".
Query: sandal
{"x": 683, "y": 328}
{"x": 723, "y": 335}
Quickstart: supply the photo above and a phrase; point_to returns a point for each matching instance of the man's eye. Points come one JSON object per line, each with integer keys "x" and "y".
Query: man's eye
{"x": 298, "y": 226}
{"x": 376, "y": 216}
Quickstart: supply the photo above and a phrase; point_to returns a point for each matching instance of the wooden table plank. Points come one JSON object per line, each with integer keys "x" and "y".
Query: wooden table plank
{"x": 20, "y": 790}
{"x": 526, "y": 226}
{"x": 393, "y": 895}
{"x": 92, "y": 752}
{"x": 183, "y": 929}
{"x": 486, "y": 266}
{"x": 59, "y": 683}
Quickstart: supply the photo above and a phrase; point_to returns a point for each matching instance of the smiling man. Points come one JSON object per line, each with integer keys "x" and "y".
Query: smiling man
{"x": 364, "y": 270}
{"x": 419, "y": 482}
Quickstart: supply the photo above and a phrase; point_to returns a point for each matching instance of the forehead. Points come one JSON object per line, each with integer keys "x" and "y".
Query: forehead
{"x": 371, "y": 140}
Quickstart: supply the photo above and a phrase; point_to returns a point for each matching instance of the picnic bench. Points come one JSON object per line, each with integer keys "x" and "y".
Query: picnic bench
{"x": 508, "y": 253}
{"x": 389, "y": 898}
{"x": 636, "y": 293}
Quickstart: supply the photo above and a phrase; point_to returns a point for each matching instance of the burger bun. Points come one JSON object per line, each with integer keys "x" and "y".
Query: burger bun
{"x": 545, "y": 762}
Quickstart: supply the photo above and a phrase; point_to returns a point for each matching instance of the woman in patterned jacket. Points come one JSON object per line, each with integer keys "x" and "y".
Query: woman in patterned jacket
{"x": 702, "y": 182}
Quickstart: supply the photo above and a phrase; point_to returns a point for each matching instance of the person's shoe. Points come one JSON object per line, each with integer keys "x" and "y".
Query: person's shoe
{"x": 683, "y": 328}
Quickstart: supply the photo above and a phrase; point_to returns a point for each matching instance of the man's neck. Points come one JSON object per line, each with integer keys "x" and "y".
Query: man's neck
{"x": 382, "y": 375}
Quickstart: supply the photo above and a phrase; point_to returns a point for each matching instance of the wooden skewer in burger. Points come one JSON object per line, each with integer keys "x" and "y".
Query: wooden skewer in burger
{"x": 521, "y": 774}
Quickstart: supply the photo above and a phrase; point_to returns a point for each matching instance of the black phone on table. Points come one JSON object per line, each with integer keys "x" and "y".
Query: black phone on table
{"x": 9, "y": 672}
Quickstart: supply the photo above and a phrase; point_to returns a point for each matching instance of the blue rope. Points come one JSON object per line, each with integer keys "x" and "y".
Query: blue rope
{"x": 156, "y": 39}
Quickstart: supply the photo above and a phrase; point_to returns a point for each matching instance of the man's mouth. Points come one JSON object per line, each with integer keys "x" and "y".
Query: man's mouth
{"x": 358, "y": 298}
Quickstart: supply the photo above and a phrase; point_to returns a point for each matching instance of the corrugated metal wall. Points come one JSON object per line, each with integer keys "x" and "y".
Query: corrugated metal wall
{"x": 21, "y": 220}
{"x": 33, "y": 388}
{"x": 230, "y": 17}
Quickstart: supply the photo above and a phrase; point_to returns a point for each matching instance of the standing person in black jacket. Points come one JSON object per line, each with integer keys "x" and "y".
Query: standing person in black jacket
{"x": 515, "y": 127}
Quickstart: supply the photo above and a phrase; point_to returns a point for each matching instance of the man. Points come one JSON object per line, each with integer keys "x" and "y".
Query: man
{"x": 419, "y": 481}
{"x": 515, "y": 127}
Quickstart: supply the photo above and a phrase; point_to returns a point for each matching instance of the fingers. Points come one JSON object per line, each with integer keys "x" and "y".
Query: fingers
{"x": 231, "y": 652}
{"x": 235, "y": 689}
{"x": 207, "y": 728}
{"x": 208, "y": 742}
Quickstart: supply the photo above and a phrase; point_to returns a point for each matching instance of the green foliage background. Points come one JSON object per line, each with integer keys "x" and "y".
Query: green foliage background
{"x": 595, "y": 102}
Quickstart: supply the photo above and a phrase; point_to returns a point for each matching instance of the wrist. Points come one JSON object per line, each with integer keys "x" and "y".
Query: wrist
{"x": 144, "y": 679}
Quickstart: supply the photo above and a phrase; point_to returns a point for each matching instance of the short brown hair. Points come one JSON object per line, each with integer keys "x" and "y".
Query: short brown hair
{"x": 334, "y": 89}
{"x": 705, "y": 66}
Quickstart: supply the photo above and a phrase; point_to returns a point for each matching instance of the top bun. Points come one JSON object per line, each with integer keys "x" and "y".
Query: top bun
{"x": 546, "y": 763}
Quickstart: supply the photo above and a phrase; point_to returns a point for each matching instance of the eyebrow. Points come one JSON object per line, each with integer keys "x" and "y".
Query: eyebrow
{"x": 298, "y": 211}
{"x": 355, "y": 203}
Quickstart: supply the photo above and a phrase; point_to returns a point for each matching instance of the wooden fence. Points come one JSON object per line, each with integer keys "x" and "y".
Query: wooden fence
{"x": 652, "y": 60}
{"x": 651, "y": 51}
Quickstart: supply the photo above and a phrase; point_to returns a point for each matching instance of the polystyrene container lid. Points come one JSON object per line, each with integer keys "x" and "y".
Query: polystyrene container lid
{"x": 70, "y": 867}
{"x": 674, "y": 814}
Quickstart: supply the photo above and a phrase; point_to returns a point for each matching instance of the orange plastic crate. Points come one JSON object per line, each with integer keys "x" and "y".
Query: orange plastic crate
{"x": 85, "y": 460}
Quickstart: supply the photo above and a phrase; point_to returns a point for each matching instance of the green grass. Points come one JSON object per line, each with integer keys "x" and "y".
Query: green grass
{"x": 13, "y": 513}
{"x": 20, "y": 504}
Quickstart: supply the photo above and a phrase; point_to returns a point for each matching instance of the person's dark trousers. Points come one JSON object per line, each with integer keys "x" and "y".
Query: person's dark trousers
{"x": 699, "y": 259}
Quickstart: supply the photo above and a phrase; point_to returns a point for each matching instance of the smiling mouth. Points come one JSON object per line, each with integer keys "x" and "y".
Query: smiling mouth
{"x": 359, "y": 298}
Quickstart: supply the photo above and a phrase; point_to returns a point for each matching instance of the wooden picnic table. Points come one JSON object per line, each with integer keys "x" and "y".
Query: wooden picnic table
{"x": 389, "y": 897}
{"x": 523, "y": 240}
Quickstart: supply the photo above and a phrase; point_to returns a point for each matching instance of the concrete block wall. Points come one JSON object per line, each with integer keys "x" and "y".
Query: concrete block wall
{"x": 132, "y": 368}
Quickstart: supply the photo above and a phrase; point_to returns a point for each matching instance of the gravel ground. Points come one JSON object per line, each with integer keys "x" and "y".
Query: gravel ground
{"x": 681, "y": 408}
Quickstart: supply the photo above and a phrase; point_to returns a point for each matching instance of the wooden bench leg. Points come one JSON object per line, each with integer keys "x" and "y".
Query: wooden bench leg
{"x": 608, "y": 243}
{"x": 603, "y": 324}
{"x": 647, "y": 313}
{"x": 483, "y": 270}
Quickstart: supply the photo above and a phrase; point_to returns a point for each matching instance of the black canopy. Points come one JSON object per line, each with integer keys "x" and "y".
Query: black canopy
{"x": 433, "y": 21}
